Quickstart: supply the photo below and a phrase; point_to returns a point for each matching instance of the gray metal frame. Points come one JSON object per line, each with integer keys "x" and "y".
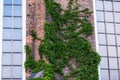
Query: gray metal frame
{"x": 110, "y": 64}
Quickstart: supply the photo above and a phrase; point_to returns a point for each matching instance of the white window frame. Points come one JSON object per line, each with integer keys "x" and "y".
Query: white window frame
{"x": 23, "y": 37}
{"x": 96, "y": 36}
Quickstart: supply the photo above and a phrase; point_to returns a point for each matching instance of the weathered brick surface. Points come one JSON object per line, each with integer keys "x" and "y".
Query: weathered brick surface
{"x": 36, "y": 19}
{"x": 89, "y": 4}
{"x": 30, "y": 19}
{"x": 63, "y": 3}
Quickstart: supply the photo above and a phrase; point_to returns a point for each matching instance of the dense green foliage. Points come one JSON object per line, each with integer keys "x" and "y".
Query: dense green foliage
{"x": 64, "y": 41}
{"x": 29, "y": 63}
{"x": 47, "y": 68}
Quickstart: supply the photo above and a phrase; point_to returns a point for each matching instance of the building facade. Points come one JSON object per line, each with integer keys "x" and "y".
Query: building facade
{"x": 18, "y": 17}
{"x": 107, "y": 13}
{"x": 13, "y": 39}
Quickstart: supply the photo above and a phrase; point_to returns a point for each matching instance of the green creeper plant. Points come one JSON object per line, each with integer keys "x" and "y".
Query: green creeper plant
{"x": 64, "y": 40}
{"x": 29, "y": 63}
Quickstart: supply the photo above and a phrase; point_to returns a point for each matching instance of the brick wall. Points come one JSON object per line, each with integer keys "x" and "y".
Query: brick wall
{"x": 36, "y": 18}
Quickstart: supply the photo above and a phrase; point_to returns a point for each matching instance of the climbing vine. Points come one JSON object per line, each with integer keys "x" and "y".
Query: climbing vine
{"x": 64, "y": 42}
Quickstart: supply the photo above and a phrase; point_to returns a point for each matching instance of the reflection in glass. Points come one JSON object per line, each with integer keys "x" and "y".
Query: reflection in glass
{"x": 113, "y": 63}
{"x": 7, "y": 10}
{"x": 114, "y": 74}
{"x": 111, "y": 39}
{"x": 7, "y": 21}
{"x": 17, "y": 1}
{"x": 17, "y": 22}
{"x": 17, "y": 11}
{"x": 7, "y": 34}
{"x": 7, "y": 1}
{"x": 6, "y": 72}
{"x": 104, "y": 63}
{"x": 100, "y": 16}
{"x": 110, "y": 27}
{"x": 112, "y": 51}
{"x": 17, "y": 59}
{"x": 117, "y": 27}
{"x": 119, "y": 55}
{"x": 17, "y": 72}
{"x": 101, "y": 27}
{"x": 6, "y": 59}
{"x": 17, "y": 46}
{"x": 17, "y": 34}
{"x": 116, "y": 6}
{"x": 99, "y": 5}
{"x": 103, "y": 50}
{"x": 6, "y": 46}
{"x": 101, "y": 39}
{"x": 118, "y": 39}
{"x": 104, "y": 75}
{"x": 117, "y": 17}
{"x": 108, "y": 5}
{"x": 109, "y": 16}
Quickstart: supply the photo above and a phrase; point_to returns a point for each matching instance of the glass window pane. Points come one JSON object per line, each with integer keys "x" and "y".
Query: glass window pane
{"x": 108, "y": 5}
{"x": 110, "y": 27}
{"x": 112, "y": 51}
{"x": 118, "y": 39}
{"x": 100, "y": 16}
{"x": 109, "y": 16}
{"x": 6, "y": 59}
{"x": 113, "y": 63}
{"x": 101, "y": 27}
{"x": 7, "y": 10}
{"x": 101, "y": 39}
{"x": 17, "y": 46}
{"x": 7, "y": 1}
{"x": 111, "y": 39}
{"x": 17, "y": 59}
{"x": 17, "y": 11}
{"x": 117, "y": 17}
{"x": 17, "y": 34}
{"x": 119, "y": 52}
{"x": 17, "y": 72}
{"x": 7, "y": 21}
{"x": 119, "y": 61}
{"x": 99, "y": 5}
{"x": 6, "y": 72}
{"x": 7, "y": 33}
{"x": 104, "y": 63}
{"x": 117, "y": 27}
{"x": 17, "y": 22}
{"x": 116, "y": 6}
{"x": 103, "y": 50}
{"x": 17, "y": 1}
{"x": 114, "y": 75}
{"x": 6, "y": 46}
{"x": 104, "y": 75}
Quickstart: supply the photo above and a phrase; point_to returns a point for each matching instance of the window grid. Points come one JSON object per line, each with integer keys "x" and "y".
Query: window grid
{"x": 108, "y": 38}
{"x": 14, "y": 51}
